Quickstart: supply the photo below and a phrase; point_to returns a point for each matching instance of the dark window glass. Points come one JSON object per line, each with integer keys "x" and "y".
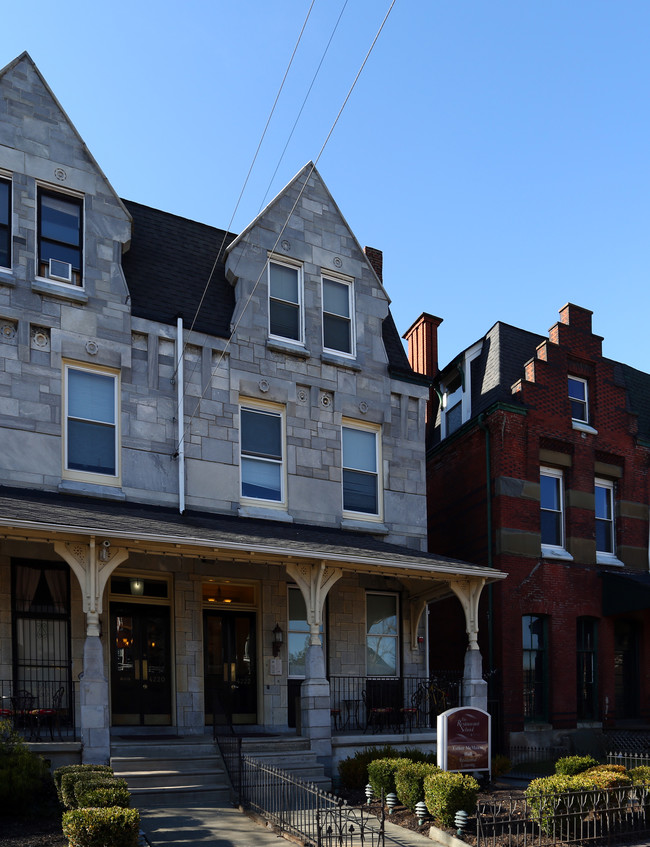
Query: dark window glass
{"x": 535, "y": 667}
{"x": 551, "y": 520}
{"x": 587, "y": 668}
{"x": 578, "y": 399}
{"x": 59, "y": 232}
{"x": 5, "y": 223}
{"x": 360, "y": 479}
{"x": 284, "y": 301}
{"x": 91, "y": 443}
{"x": 261, "y": 454}
{"x": 337, "y": 326}
{"x": 604, "y": 519}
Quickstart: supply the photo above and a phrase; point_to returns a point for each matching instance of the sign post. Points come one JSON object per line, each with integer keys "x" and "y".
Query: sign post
{"x": 464, "y": 740}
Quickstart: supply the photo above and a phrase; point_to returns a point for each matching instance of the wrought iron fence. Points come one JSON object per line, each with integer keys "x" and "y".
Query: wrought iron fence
{"x": 40, "y": 709}
{"x": 606, "y": 816}
{"x": 392, "y": 703}
{"x": 629, "y": 760}
{"x": 536, "y": 756}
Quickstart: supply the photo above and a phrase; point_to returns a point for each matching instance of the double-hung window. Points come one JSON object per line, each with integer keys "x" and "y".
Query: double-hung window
{"x": 285, "y": 301}
{"x": 587, "y": 668}
{"x": 579, "y": 399}
{"x": 60, "y": 236}
{"x": 91, "y": 424}
{"x": 552, "y": 508}
{"x": 5, "y": 223}
{"x": 381, "y": 635}
{"x": 361, "y": 479}
{"x": 338, "y": 310}
{"x": 262, "y": 469}
{"x": 604, "y": 504}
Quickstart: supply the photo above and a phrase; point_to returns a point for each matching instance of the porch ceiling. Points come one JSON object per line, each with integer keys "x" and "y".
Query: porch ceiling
{"x": 48, "y": 517}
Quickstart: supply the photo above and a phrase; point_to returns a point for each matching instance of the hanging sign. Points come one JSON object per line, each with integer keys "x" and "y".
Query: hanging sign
{"x": 464, "y": 740}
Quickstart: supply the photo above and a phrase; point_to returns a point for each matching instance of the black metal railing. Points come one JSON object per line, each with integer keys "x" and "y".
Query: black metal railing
{"x": 535, "y": 761}
{"x": 602, "y": 817}
{"x": 628, "y": 760}
{"x": 392, "y": 704}
{"x": 40, "y": 709}
{"x": 303, "y": 810}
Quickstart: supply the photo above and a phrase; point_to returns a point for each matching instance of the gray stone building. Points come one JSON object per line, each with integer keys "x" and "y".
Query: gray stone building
{"x": 212, "y": 466}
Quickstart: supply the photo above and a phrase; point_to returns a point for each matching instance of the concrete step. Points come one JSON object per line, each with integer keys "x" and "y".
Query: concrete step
{"x": 292, "y": 754}
{"x": 180, "y": 771}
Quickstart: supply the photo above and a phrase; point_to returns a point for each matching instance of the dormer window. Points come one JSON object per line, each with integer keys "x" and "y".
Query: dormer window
{"x": 60, "y": 253}
{"x": 5, "y": 223}
{"x": 452, "y": 403}
{"x": 285, "y": 301}
{"x": 578, "y": 398}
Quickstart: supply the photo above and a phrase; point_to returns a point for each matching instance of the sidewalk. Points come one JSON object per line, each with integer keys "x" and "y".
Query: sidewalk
{"x": 223, "y": 826}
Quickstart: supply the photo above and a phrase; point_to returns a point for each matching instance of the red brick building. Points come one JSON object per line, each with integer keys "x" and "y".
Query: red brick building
{"x": 538, "y": 461}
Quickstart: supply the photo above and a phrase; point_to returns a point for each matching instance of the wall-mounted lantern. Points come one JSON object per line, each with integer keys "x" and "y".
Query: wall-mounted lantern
{"x": 278, "y": 638}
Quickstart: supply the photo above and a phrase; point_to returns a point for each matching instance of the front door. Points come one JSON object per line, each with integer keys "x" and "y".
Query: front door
{"x": 140, "y": 665}
{"x": 230, "y": 668}
{"x": 626, "y": 669}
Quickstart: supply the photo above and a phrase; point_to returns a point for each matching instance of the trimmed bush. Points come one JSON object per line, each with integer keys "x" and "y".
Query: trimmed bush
{"x": 571, "y": 765}
{"x": 114, "y": 826}
{"x": 409, "y": 781}
{"x": 109, "y": 787}
{"x": 381, "y": 774}
{"x": 80, "y": 773}
{"x": 59, "y": 773}
{"x": 354, "y": 770}
{"x": 640, "y": 774}
{"x": 25, "y": 781}
{"x": 447, "y": 792}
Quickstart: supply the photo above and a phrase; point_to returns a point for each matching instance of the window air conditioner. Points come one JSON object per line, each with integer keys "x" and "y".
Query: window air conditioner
{"x": 60, "y": 270}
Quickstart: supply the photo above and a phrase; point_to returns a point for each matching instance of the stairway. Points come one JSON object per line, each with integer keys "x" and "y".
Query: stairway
{"x": 171, "y": 772}
{"x": 290, "y": 753}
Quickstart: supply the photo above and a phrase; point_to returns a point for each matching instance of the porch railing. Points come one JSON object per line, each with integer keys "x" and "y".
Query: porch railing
{"x": 392, "y": 704}
{"x": 40, "y": 710}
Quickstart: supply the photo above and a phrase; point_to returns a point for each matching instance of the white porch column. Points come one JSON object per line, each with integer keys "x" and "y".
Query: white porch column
{"x": 92, "y": 572}
{"x": 315, "y": 582}
{"x": 475, "y": 688}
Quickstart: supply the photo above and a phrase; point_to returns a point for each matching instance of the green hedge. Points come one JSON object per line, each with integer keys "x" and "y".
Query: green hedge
{"x": 26, "y": 785}
{"x": 571, "y": 765}
{"x": 102, "y": 793}
{"x": 354, "y": 770}
{"x": 447, "y": 792}
{"x": 409, "y": 782}
{"x": 381, "y": 774}
{"x": 59, "y": 773}
{"x": 81, "y": 773}
{"x": 114, "y": 826}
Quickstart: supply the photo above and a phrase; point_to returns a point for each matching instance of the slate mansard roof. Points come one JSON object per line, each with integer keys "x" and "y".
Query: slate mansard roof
{"x": 169, "y": 263}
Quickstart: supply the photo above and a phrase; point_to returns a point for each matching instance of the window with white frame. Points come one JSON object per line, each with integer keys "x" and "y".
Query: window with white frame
{"x": 382, "y": 635}
{"x": 552, "y": 507}
{"x": 579, "y": 400}
{"x": 285, "y": 301}
{"x": 361, "y": 479}
{"x": 60, "y": 236}
{"x": 262, "y": 466}
{"x": 91, "y": 424}
{"x": 5, "y": 222}
{"x": 452, "y": 403}
{"x": 604, "y": 505}
{"x": 338, "y": 310}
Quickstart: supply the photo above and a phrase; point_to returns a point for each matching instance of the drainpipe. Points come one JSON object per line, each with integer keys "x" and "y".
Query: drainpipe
{"x": 180, "y": 417}
{"x": 488, "y": 489}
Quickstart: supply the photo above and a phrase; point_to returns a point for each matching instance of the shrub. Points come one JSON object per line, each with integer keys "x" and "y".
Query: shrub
{"x": 25, "y": 781}
{"x": 99, "y": 827}
{"x": 500, "y": 765}
{"x": 571, "y": 765}
{"x": 446, "y": 793}
{"x": 354, "y": 770}
{"x": 381, "y": 774}
{"x": 409, "y": 781}
{"x": 640, "y": 774}
{"x": 79, "y": 773}
{"x": 98, "y": 795}
{"x": 59, "y": 773}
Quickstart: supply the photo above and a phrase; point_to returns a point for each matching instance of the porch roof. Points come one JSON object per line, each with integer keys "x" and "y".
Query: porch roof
{"x": 47, "y": 516}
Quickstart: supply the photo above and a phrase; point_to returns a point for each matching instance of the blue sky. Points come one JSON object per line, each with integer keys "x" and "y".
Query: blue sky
{"x": 497, "y": 152}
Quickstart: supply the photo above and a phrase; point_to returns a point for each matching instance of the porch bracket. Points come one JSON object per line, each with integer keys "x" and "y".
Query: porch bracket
{"x": 468, "y": 592}
{"x": 92, "y": 572}
{"x": 314, "y": 581}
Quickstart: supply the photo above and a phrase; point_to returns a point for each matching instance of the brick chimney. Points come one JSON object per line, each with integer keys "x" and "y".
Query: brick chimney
{"x": 422, "y": 339}
{"x": 376, "y": 259}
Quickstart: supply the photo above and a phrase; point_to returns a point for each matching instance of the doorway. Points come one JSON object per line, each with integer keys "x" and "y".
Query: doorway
{"x": 626, "y": 669}
{"x": 230, "y": 667}
{"x": 140, "y": 665}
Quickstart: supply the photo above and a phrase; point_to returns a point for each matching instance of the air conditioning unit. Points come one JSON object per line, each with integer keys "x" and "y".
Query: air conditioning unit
{"x": 60, "y": 270}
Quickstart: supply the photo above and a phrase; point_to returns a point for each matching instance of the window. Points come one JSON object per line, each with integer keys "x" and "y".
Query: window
{"x": 452, "y": 403}
{"x": 337, "y": 316}
{"x": 578, "y": 399}
{"x": 285, "y": 301}
{"x": 360, "y": 470}
{"x": 535, "y": 667}
{"x": 261, "y": 454}
{"x": 381, "y": 635}
{"x": 587, "y": 677}
{"x": 91, "y": 432}
{"x": 59, "y": 237}
{"x": 604, "y": 503}
{"x": 5, "y": 223}
{"x": 552, "y": 507}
